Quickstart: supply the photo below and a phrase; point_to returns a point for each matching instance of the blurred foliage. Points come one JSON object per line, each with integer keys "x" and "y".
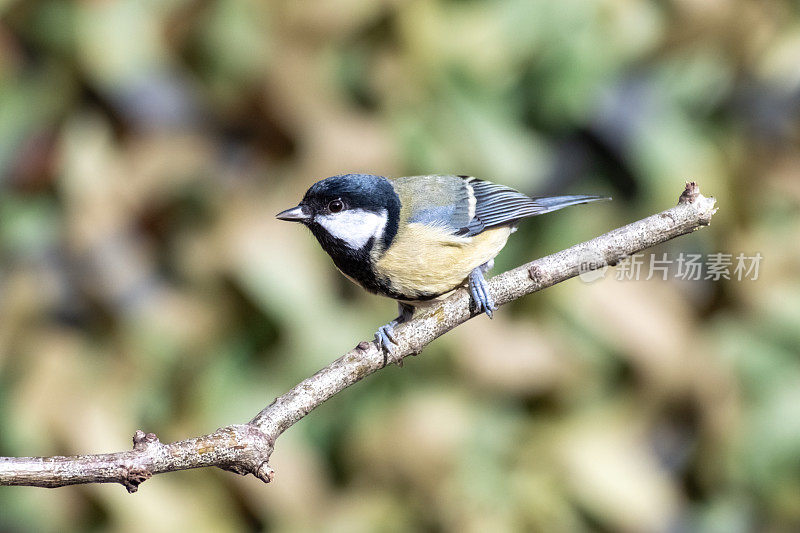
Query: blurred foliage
{"x": 144, "y": 283}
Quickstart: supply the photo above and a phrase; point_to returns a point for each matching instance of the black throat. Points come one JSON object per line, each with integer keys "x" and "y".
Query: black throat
{"x": 356, "y": 264}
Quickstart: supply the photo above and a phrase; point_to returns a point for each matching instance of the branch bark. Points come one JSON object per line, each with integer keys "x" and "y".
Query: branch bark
{"x": 246, "y": 448}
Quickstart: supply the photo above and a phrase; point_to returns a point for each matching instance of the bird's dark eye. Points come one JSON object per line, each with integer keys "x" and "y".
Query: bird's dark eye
{"x": 335, "y": 206}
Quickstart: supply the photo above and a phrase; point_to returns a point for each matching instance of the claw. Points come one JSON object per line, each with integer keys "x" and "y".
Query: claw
{"x": 479, "y": 289}
{"x": 385, "y": 338}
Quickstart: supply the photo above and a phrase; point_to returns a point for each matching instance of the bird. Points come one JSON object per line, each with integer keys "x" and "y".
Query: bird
{"x": 415, "y": 239}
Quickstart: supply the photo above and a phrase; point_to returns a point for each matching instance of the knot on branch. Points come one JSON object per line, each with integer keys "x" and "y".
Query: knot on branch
{"x": 251, "y": 448}
{"x": 142, "y": 440}
{"x": 135, "y": 476}
{"x": 705, "y": 206}
{"x": 690, "y": 193}
{"x": 536, "y": 274}
{"x": 265, "y": 473}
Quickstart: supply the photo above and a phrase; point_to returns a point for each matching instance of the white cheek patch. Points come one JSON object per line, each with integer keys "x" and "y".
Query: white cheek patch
{"x": 354, "y": 226}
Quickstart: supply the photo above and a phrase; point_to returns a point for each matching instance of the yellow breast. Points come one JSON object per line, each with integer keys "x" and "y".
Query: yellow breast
{"x": 428, "y": 260}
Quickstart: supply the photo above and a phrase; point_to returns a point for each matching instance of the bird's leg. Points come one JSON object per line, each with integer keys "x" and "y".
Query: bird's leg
{"x": 385, "y": 334}
{"x": 479, "y": 290}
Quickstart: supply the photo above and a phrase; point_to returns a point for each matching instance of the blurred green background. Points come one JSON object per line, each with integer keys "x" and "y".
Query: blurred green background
{"x": 145, "y": 147}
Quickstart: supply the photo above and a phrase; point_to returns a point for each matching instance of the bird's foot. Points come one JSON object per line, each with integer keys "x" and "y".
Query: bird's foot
{"x": 479, "y": 289}
{"x": 385, "y": 338}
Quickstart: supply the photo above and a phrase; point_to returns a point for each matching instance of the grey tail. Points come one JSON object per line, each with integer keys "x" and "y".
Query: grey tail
{"x": 554, "y": 203}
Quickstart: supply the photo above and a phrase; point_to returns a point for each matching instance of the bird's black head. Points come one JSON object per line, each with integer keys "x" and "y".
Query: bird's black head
{"x": 349, "y": 215}
{"x": 365, "y": 192}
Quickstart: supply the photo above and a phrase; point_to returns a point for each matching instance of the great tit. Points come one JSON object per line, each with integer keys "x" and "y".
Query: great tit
{"x": 417, "y": 238}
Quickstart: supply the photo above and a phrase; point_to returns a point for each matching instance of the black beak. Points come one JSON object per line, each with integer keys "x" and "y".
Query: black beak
{"x": 295, "y": 214}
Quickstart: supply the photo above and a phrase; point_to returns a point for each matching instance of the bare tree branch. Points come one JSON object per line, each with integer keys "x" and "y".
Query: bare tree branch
{"x": 246, "y": 448}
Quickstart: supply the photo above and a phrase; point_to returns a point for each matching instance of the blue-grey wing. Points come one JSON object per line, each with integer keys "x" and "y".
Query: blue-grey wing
{"x": 467, "y": 206}
{"x": 442, "y": 201}
{"x": 498, "y": 205}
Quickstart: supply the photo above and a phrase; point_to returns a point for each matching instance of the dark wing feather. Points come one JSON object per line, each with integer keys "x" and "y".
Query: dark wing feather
{"x": 497, "y": 205}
